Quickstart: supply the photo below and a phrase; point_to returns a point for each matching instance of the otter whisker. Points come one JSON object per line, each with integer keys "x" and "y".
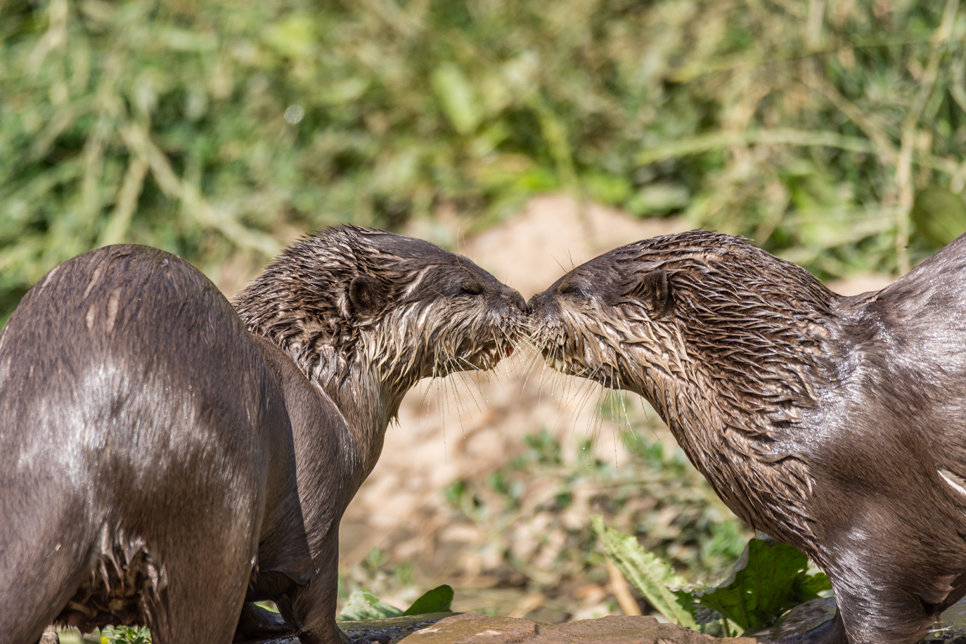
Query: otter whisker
{"x": 586, "y": 391}
{"x": 555, "y": 377}
{"x": 459, "y": 378}
{"x": 463, "y": 378}
{"x": 533, "y": 359}
{"x": 447, "y": 386}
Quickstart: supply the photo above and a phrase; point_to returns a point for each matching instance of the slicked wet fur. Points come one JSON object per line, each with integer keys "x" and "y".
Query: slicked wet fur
{"x": 166, "y": 457}
{"x": 835, "y": 424}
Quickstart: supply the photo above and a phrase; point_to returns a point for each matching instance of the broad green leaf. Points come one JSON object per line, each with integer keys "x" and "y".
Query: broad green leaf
{"x": 437, "y": 600}
{"x": 939, "y": 215}
{"x": 292, "y": 36}
{"x": 457, "y": 98}
{"x": 606, "y": 188}
{"x": 659, "y": 198}
{"x": 769, "y": 577}
{"x": 808, "y": 587}
{"x": 650, "y": 575}
{"x": 362, "y": 604}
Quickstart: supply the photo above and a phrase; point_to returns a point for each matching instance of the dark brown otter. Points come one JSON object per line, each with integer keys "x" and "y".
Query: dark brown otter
{"x": 835, "y": 424}
{"x": 164, "y": 458}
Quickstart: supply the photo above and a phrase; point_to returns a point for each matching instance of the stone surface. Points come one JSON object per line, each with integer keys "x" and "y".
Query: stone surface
{"x": 388, "y": 631}
{"x": 803, "y": 618}
{"x": 470, "y": 628}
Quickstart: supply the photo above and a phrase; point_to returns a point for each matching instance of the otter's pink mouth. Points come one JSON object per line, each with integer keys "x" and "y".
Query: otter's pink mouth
{"x": 490, "y": 355}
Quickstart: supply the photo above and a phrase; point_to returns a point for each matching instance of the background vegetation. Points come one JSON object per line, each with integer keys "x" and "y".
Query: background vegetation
{"x": 217, "y": 128}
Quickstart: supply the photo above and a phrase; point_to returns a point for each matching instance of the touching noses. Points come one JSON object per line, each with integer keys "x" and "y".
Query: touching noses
{"x": 516, "y": 300}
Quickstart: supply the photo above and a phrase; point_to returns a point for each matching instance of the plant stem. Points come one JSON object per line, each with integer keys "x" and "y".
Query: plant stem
{"x": 909, "y": 131}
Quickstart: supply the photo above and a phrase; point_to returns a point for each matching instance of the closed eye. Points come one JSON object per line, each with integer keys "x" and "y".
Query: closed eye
{"x": 572, "y": 289}
{"x": 471, "y": 288}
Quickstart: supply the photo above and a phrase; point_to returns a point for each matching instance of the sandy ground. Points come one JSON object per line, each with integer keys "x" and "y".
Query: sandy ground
{"x": 465, "y": 427}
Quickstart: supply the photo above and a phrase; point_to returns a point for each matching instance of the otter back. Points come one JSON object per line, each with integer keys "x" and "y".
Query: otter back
{"x": 134, "y": 408}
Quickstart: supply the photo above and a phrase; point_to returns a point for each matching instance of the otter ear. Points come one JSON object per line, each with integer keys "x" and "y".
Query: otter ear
{"x": 366, "y": 294}
{"x": 654, "y": 289}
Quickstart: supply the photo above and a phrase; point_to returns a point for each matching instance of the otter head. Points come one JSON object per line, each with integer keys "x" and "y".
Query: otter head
{"x": 686, "y": 314}
{"x": 351, "y": 298}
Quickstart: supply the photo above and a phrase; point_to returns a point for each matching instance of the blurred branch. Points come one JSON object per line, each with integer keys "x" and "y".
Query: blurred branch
{"x": 909, "y": 131}
{"x": 867, "y": 123}
{"x": 691, "y": 71}
{"x": 140, "y": 144}
{"x": 721, "y": 140}
{"x": 622, "y": 590}
{"x": 54, "y": 37}
{"x": 813, "y": 25}
{"x": 127, "y": 201}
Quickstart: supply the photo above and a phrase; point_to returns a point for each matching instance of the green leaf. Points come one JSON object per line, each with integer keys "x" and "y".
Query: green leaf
{"x": 292, "y": 36}
{"x": 939, "y": 215}
{"x": 607, "y": 189}
{"x": 650, "y": 575}
{"x": 362, "y": 604}
{"x": 457, "y": 98}
{"x": 769, "y": 577}
{"x": 659, "y": 198}
{"x": 437, "y": 600}
{"x": 808, "y": 587}
{"x": 127, "y": 635}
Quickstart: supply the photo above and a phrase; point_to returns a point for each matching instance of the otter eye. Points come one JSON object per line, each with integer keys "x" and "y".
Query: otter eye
{"x": 571, "y": 289}
{"x": 471, "y": 287}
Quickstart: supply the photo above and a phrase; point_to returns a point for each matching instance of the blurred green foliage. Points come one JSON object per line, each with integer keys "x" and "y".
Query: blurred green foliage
{"x": 534, "y": 511}
{"x": 218, "y": 127}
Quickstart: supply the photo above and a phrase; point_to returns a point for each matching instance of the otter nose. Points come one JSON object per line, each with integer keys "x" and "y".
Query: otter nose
{"x": 536, "y": 301}
{"x": 517, "y": 300}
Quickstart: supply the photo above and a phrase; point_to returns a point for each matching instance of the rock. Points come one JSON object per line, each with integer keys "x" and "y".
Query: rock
{"x": 470, "y": 628}
{"x": 388, "y": 631}
{"x": 49, "y": 636}
{"x": 479, "y": 629}
{"x": 801, "y": 619}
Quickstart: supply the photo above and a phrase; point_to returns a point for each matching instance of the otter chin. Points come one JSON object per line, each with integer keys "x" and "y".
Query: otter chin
{"x": 835, "y": 424}
{"x": 168, "y": 457}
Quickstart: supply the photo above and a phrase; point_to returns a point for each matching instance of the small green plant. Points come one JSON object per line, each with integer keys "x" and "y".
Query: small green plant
{"x": 364, "y": 604}
{"x": 768, "y": 579}
{"x": 437, "y": 600}
{"x": 652, "y": 576}
{"x": 126, "y": 635}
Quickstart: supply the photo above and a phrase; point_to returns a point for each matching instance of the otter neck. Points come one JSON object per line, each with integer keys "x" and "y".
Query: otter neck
{"x": 368, "y": 403}
{"x": 734, "y": 448}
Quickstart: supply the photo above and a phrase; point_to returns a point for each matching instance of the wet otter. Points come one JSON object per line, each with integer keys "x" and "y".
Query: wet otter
{"x": 835, "y": 424}
{"x": 163, "y": 457}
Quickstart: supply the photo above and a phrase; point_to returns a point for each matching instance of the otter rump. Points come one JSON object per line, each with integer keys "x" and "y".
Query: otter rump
{"x": 164, "y": 458}
{"x": 835, "y": 424}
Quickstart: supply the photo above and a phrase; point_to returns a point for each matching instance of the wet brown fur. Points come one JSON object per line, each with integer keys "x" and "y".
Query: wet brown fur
{"x": 164, "y": 458}
{"x": 835, "y": 424}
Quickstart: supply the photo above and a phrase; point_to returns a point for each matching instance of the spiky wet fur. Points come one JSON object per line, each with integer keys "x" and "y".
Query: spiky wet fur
{"x": 702, "y": 367}
{"x": 425, "y": 324}
{"x": 831, "y": 423}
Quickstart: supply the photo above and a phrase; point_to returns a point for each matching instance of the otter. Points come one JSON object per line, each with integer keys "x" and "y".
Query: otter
{"x": 166, "y": 456}
{"x": 834, "y": 424}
